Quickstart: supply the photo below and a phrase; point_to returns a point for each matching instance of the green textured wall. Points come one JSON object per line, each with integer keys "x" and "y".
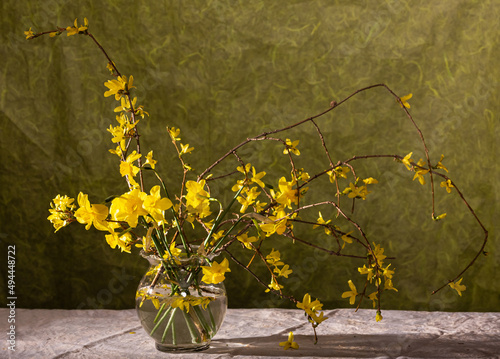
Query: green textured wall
{"x": 226, "y": 70}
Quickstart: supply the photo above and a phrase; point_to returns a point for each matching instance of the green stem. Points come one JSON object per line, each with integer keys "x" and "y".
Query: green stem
{"x": 167, "y": 327}
{"x": 203, "y": 321}
{"x": 221, "y": 240}
{"x": 220, "y": 217}
{"x": 195, "y": 336}
{"x": 159, "y": 312}
{"x": 160, "y": 321}
{"x": 212, "y": 320}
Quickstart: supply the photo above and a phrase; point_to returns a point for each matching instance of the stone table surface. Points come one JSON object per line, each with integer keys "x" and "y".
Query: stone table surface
{"x": 256, "y": 333}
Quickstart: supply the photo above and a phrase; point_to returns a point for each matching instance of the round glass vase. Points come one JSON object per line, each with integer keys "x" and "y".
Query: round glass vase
{"x": 177, "y": 309}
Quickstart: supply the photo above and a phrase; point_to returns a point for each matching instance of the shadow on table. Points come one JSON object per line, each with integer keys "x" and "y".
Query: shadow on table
{"x": 364, "y": 346}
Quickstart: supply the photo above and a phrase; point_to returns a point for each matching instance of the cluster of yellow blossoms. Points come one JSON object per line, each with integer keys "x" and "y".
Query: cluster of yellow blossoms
{"x": 274, "y": 215}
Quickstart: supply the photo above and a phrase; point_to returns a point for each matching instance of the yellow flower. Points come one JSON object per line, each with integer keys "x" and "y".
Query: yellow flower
{"x": 370, "y": 180}
{"x": 119, "y": 87}
{"x": 197, "y": 199}
{"x": 61, "y": 211}
{"x": 72, "y": 30}
{"x": 289, "y": 343}
{"x": 407, "y": 161}
{"x": 125, "y": 105}
{"x": 246, "y": 240}
{"x": 440, "y": 165}
{"x": 405, "y": 99}
{"x": 111, "y": 67}
{"x": 63, "y": 203}
{"x": 274, "y": 286}
{"x": 251, "y": 195}
{"x": 321, "y": 221}
{"x": 91, "y": 214}
{"x": 287, "y": 194}
{"x": 374, "y": 298}
{"x": 448, "y": 185}
{"x": 176, "y": 252}
{"x": 149, "y": 160}
{"x": 273, "y": 258}
{"x": 284, "y": 271}
{"x": 441, "y": 216}
{"x": 216, "y": 272}
{"x": 310, "y": 307}
{"x": 278, "y": 224}
{"x": 129, "y": 207}
{"x": 246, "y": 170}
{"x": 378, "y": 317}
{"x": 346, "y": 238}
{"x": 388, "y": 285}
{"x": 354, "y": 191}
{"x": 458, "y": 286}
{"x": 420, "y": 172}
{"x": 123, "y": 242}
{"x": 351, "y": 294}
{"x": 127, "y": 167}
{"x": 291, "y": 147}
{"x": 368, "y": 271}
{"x": 29, "y": 34}
{"x": 174, "y": 133}
{"x": 318, "y": 318}
{"x": 155, "y": 205}
{"x": 379, "y": 254}
{"x": 388, "y": 273}
{"x": 256, "y": 177}
{"x": 338, "y": 172}
{"x": 185, "y": 149}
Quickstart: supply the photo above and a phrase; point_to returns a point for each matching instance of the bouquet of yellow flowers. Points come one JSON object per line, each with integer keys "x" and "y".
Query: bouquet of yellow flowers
{"x": 181, "y": 299}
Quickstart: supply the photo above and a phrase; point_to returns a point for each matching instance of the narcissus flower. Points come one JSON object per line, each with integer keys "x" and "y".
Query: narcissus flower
{"x": 287, "y": 195}
{"x": 156, "y": 205}
{"x": 91, "y": 214}
{"x": 129, "y": 207}
{"x": 289, "y": 343}
{"x": 216, "y": 272}
{"x": 197, "y": 198}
